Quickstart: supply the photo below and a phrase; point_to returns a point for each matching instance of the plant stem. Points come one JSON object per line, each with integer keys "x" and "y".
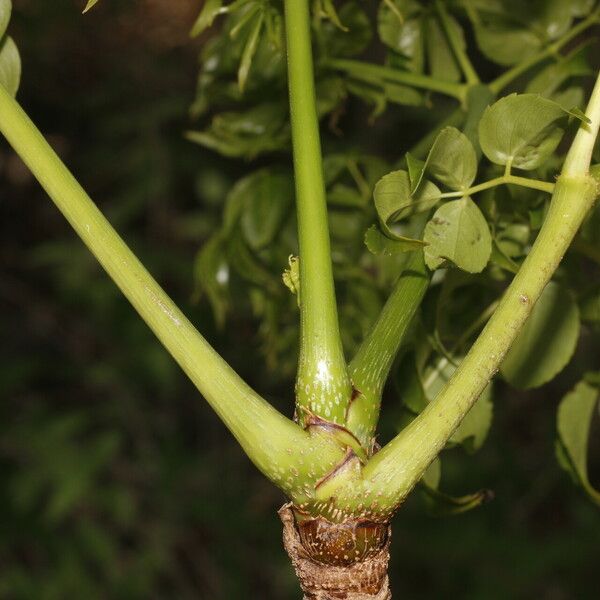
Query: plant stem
{"x": 373, "y": 361}
{"x": 322, "y": 386}
{"x": 509, "y": 76}
{"x": 266, "y": 436}
{"x": 374, "y": 73}
{"x": 534, "y": 184}
{"x": 456, "y": 44}
{"x": 371, "y": 365}
{"x": 579, "y": 157}
{"x": 394, "y": 471}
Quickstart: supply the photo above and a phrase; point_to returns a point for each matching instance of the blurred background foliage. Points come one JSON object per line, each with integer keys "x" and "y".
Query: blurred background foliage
{"x": 117, "y": 481}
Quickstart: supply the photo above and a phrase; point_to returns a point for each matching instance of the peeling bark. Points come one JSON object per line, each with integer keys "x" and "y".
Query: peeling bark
{"x": 365, "y": 579}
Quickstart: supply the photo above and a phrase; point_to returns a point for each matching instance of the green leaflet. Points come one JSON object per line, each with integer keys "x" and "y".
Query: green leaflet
{"x": 509, "y": 31}
{"x": 343, "y": 195}
{"x": 554, "y": 19}
{"x": 400, "y": 28}
{"x": 250, "y": 50}
{"x": 459, "y": 233}
{"x": 249, "y": 20}
{"x": 422, "y": 384}
{"x": 331, "y": 92}
{"x": 10, "y": 61}
{"x": 326, "y": 8}
{"x": 581, "y": 8}
{"x": 350, "y": 39}
{"x": 452, "y": 159}
{"x": 501, "y": 38}
{"x": 573, "y": 422}
{"x": 268, "y": 196}
{"x": 521, "y": 130}
{"x": 416, "y": 170}
{"x": 211, "y": 275}
{"x": 504, "y": 45}
{"x": 394, "y": 200}
{"x": 440, "y": 57}
{"x": 248, "y": 133}
{"x": 209, "y": 12}
{"x": 419, "y": 39}
{"x": 10, "y": 66}
{"x": 513, "y": 239}
{"x": 551, "y": 78}
{"x": 249, "y": 265}
{"x": 474, "y": 428}
{"x": 590, "y": 306}
{"x": 90, "y": 4}
{"x": 500, "y": 259}
{"x": 5, "y": 11}
{"x": 546, "y": 343}
{"x": 381, "y": 245}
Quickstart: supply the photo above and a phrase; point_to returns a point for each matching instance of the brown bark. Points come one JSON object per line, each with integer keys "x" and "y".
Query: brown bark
{"x": 364, "y": 579}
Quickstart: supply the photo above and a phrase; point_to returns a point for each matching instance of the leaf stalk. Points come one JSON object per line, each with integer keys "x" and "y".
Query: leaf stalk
{"x": 392, "y": 473}
{"x": 323, "y": 387}
{"x": 285, "y": 453}
{"x": 376, "y": 73}
{"x": 456, "y": 45}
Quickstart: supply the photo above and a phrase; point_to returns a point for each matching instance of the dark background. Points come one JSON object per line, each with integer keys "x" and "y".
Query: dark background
{"x": 116, "y": 479}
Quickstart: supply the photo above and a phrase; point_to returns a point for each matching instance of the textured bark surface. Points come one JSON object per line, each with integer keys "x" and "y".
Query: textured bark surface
{"x": 366, "y": 579}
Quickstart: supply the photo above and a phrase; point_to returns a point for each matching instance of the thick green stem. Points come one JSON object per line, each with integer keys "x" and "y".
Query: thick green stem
{"x": 323, "y": 386}
{"x": 393, "y": 472}
{"x": 522, "y": 67}
{"x": 276, "y": 445}
{"x": 371, "y": 365}
{"x": 579, "y": 156}
{"x": 377, "y": 73}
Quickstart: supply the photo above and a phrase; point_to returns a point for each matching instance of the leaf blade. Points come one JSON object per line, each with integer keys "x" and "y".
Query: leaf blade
{"x": 459, "y": 233}
{"x": 547, "y": 341}
{"x": 573, "y": 420}
{"x": 521, "y": 130}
